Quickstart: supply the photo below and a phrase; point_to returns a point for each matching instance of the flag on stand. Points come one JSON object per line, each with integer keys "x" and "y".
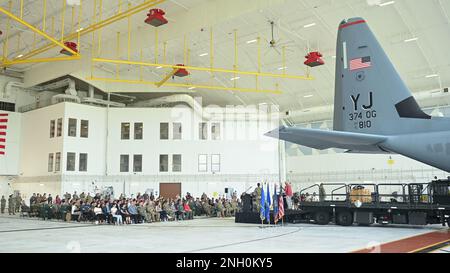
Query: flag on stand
{"x": 268, "y": 204}
{"x": 262, "y": 210}
{"x": 275, "y": 204}
{"x": 280, "y": 208}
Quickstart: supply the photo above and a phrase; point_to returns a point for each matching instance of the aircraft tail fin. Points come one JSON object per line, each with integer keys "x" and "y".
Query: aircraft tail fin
{"x": 370, "y": 95}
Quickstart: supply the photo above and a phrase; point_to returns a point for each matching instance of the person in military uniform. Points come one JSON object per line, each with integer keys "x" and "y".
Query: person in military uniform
{"x": 18, "y": 203}
{"x": 151, "y": 211}
{"x": 234, "y": 207}
{"x": 3, "y": 204}
{"x": 11, "y": 205}
{"x": 206, "y": 208}
{"x": 257, "y": 198}
{"x": 143, "y": 213}
{"x": 227, "y": 209}
{"x": 220, "y": 209}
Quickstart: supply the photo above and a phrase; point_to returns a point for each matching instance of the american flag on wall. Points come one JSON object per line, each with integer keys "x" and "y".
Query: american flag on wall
{"x": 3, "y": 130}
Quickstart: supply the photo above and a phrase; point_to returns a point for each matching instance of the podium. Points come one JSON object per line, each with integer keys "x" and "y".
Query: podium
{"x": 247, "y": 203}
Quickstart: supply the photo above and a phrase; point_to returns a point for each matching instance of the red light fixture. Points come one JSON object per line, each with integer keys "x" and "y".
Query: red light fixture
{"x": 155, "y": 17}
{"x": 70, "y": 45}
{"x": 314, "y": 59}
{"x": 181, "y": 72}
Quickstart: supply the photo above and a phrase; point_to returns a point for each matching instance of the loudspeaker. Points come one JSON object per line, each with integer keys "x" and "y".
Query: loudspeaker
{"x": 226, "y": 190}
{"x": 446, "y": 90}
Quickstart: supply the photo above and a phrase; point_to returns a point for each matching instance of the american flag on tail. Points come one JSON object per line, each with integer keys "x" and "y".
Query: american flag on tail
{"x": 3, "y": 128}
{"x": 360, "y": 63}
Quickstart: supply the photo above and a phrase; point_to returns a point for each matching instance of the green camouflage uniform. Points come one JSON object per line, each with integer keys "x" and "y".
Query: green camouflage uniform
{"x": 143, "y": 213}
{"x": 3, "y": 204}
{"x": 18, "y": 203}
{"x": 257, "y": 199}
{"x": 11, "y": 205}
{"x": 234, "y": 207}
{"x": 206, "y": 208}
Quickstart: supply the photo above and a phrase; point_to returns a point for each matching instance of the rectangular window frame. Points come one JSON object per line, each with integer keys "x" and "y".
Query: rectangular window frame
{"x": 124, "y": 163}
{"x": 72, "y": 127}
{"x": 216, "y": 164}
{"x": 177, "y": 166}
{"x": 177, "y": 131}
{"x": 162, "y": 135}
{"x": 202, "y": 166}
{"x": 139, "y": 134}
{"x": 124, "y": 132}
{"x": 70, "y": 168}
{"x": 52, "y": 128}
{"x": 83, "y": 163}
{"x": 216, "y": 131}
{"x": 203, "y": 131}
{"x": 137, "y": 168}
{"x": 84, "y": 128}
{"x": 51, "y": 159}
{"x": 59, "y": 127}
{"x": 161, "y": 170}
{"x": 58, "y": 162}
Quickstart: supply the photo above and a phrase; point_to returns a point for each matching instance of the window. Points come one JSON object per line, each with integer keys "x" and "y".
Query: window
{"x": 203, "y": 163}
{"x": 125, "y": 130}
{"x": 59, "y": 130}
{"x": 215, "y": 163}
{"x": 215, "y": 131}
{"x": 52, "y": 128}
{"x": 84, "y": 130}
{"x": 70, "y": 162}
{"x": 164, "y": 131}
{"x": 50, "y": 163}
{"x": 83, "y": 162}
{"x": 203, "y": 131}
{"x": 137, "y": 163}
{"x": 176, "y": 162}
{"x": 139, "y": 130}
{"x": 163, "y": 163}
{"x": 58, "y": 162}
{"x": 72, "y": 127}
{"x": 177, "y": 131}
{"x": 124, "y": 163}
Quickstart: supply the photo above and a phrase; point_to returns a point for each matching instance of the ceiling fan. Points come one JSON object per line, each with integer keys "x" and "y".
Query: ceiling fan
{"x": 273, "y": 43}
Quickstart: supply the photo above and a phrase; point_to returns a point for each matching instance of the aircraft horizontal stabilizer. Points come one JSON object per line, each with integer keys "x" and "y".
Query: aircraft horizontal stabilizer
{"x": 322, "y": 139}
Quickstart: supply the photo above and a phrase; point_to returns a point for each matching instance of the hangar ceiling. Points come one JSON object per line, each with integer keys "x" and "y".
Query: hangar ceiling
{"x": 415, "y": 34}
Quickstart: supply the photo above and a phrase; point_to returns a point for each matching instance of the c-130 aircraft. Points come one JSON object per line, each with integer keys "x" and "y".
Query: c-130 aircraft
{"x": 374, "y": 111}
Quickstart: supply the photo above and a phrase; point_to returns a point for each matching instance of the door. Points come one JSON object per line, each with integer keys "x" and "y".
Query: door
{"x": 169, "y": 190}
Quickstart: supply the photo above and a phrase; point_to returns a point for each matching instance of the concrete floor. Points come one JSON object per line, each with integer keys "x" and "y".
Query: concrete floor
{"x": 200, "y": 235}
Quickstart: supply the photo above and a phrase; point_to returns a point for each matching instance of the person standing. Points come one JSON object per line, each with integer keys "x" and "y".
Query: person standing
{"x": 3, "y": 204}
{"x": 18, "y": 203}
{"x": 289, "y": 194}
{"x": 11, "y": 205}
{"x": 50, "y": 199}
{"x": 257, "y": 198}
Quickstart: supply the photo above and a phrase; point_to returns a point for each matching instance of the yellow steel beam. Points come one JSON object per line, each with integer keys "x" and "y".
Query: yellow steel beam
{"x": 37, "y": 31}
{"x": 42, "y": 60}
{"x": 96, "y": 26}
{"x": 180, "y": 85}
{"x": 166, "y": 78}
{"x": 207, "y": 69}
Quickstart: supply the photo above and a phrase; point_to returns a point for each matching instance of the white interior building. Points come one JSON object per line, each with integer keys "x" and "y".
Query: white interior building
{"x": 118, "y": 116}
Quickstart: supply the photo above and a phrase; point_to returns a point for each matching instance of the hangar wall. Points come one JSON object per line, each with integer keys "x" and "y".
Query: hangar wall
{"x": 240, "y": 140}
